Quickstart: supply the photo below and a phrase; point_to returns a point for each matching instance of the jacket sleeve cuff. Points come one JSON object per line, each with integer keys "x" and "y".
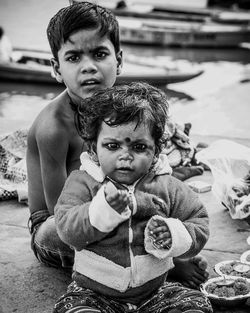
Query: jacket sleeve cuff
{"x": 102, "y": 216}
{"x": 181, "y": 239}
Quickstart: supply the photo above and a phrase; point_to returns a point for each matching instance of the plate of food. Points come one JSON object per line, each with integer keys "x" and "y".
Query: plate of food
{"x": 245, "y": 257}
{"x": 227, "y": 291}
{"x": 233, "y": 268}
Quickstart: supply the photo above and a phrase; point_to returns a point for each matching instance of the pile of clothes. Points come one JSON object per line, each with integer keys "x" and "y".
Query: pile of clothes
{"x": 13, "y": 170}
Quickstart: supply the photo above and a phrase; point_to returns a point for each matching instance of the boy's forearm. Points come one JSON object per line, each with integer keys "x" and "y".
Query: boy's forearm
{"x": 53, "y": 186}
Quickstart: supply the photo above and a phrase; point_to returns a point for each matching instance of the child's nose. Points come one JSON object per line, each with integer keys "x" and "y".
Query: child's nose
{"x": 126, "y": 155}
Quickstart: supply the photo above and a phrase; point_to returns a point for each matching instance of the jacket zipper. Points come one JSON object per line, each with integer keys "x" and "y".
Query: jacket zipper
{"x": 131, "y": 190}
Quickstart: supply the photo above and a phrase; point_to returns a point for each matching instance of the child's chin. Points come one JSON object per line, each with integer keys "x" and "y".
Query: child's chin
{"x": 125, "y": 180}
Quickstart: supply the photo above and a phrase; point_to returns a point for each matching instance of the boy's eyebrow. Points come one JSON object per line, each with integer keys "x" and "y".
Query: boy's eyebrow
{"x": 75, "y": 50}
{"x": 72, "y": 51}
{"x": 101, "y": 47}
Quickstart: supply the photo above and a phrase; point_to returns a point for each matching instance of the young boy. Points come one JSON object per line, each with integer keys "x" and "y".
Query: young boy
{"x": 125, "y": 216}
{"x": 84, "y": 40}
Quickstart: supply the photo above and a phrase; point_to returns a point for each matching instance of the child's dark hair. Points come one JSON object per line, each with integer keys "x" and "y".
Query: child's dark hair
{"x": 122, "y": 104}
{"x": 79, "y": 16}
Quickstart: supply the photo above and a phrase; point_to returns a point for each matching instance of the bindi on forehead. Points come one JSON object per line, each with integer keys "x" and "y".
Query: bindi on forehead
{"x": 127, "y": 139}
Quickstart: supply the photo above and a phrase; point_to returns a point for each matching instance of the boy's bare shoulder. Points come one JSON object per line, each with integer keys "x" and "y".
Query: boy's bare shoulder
{"x": 54, "y": 120}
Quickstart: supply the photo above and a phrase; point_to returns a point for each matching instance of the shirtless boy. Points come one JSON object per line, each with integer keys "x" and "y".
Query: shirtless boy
{"x": 84, "y": 40}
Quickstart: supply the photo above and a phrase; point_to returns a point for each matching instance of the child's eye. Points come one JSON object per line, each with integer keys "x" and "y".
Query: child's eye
{"x": 139, "y": 147}
{"x": 112, "y": 146}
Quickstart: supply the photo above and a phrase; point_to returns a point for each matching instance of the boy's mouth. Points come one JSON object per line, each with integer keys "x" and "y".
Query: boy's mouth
{"x": 90, "y": 82}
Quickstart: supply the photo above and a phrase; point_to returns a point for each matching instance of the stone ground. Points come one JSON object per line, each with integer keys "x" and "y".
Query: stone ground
{"x": 29, "y": 287}
{"x": 26, "y": 286}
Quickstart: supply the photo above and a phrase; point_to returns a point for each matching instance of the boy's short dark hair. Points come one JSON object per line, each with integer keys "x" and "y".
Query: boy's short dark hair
{"x": 79, "y": 16}
{"x": 121, "y": 104}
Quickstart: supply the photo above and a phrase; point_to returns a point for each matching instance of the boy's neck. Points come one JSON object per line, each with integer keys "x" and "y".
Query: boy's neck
{"x": 73, "y": 105}
{"x": 74, "y": 100}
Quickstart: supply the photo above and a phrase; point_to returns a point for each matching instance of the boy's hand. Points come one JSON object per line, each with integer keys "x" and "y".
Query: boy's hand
{"x": 117, "y": 199}
{"x": 160, "y": 232}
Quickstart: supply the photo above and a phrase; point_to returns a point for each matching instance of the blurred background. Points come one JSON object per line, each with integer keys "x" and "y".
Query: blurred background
{"x": 216, "y": 102}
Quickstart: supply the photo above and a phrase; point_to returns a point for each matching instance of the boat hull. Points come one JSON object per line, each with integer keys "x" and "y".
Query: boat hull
{"x": 42, "y": 73}
{"x": 183, "y": 34}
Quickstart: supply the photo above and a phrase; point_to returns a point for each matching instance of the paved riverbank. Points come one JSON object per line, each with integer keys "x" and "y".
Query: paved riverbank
{"x": 28, "y": 287}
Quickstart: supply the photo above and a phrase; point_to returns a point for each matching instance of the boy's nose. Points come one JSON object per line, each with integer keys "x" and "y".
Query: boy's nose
{"x": 88, "y": 66}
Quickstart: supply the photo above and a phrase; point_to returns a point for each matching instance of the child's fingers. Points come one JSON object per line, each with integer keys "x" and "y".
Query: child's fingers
{"x": 152, "y": 225}
{"x": 163, "y": 236}
{"x": 117, "y": 199}
{"x": 165, "y": 244}
{"x": 158, "y": 221}
{"x": 110, "y": 191}
{"x": 123, "y": 196}
{"x": 160, "y": 229}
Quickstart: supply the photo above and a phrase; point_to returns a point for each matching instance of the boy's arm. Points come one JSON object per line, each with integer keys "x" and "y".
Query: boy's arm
{"x": 82, "y": 218}
{"x": 53, "y": 149}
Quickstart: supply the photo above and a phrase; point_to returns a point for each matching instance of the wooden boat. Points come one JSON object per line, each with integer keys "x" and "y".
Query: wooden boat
{"x": 214, "y": 15}
{"x": 180, "y": 25}
{"x": 34, "y": 66}
{"x": 182, "y": 33}
{"x": 232, "y": 17}
{"x": 172, "y": 10}
{"x": 149, "y": 11}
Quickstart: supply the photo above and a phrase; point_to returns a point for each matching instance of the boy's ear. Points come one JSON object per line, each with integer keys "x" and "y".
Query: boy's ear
{"x": 119, "y": 59}
{"x": 56, "y": 70}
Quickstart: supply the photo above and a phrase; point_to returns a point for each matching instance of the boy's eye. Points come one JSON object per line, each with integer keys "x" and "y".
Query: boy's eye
{"x": 100, "y": 55}
{"x": 139, "y": 147}
{"x": 73, "y": 58}
{"x": 112, "y": 146}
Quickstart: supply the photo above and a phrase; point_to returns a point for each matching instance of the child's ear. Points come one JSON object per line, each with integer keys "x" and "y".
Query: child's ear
{"x": 119, "y": 59}
{"x": 93, "y": 153}
{"x": 56, "y": 70}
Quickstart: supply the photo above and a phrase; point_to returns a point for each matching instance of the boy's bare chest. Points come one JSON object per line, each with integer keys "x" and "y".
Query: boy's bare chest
{"x": 76, "y": 147}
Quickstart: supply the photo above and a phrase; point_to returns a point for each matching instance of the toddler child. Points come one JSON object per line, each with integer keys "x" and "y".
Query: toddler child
{"x": 122, "y": 212}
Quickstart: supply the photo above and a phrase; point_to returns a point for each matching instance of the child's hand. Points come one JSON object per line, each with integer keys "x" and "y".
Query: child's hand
{"x": 160, "y": 232}
{"x": 117, "y": 199}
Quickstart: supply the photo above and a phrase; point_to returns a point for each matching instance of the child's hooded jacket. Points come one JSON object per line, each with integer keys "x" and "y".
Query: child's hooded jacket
{"x": 114, "y": 253}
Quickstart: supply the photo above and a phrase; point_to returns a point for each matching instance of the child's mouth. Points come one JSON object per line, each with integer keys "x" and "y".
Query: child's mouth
{"x": 124, "y": 169}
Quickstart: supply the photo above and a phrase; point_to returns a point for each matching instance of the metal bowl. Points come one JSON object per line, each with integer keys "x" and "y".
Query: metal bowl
{"x": 234, "y": 268}
{"x": 245, "y": 257}
{"x": 223, "y": 300}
